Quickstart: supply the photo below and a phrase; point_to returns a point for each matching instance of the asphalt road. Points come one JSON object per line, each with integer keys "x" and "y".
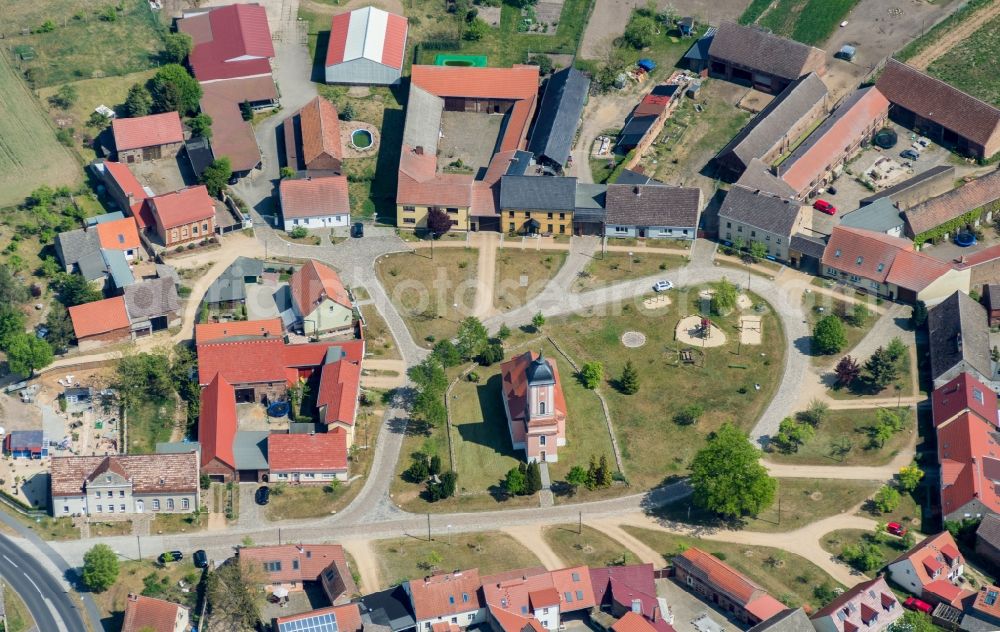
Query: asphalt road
{"x": 49, "y": 604}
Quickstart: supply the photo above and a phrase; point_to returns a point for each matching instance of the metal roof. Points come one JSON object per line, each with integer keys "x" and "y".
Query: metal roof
{"x": 118, "y": 268}
{"x": 541, "y": 193}
{"x": 880, "y": 216}
{"x": 250, "y": 449}
{"x": 559, "y": 114}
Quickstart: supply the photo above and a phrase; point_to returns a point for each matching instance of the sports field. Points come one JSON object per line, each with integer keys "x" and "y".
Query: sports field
{"x": 29, "y": 153}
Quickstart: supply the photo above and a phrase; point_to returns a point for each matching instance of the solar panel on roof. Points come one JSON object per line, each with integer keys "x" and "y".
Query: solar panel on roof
{"x": 319, "y": 623}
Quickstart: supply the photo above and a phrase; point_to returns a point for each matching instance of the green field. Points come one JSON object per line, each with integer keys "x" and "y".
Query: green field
{"x": 843, "y": 439}
{"x": 149, "y": 423}
{"x": 83, "y": 43}
{"x": 807, "y": 21}
{"x": 939, "y": 29}
{"x": 973, "y": 65}
{"x": 29, "y": 153}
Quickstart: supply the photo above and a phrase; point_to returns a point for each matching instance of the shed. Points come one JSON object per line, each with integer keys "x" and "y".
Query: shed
{"x": 26, "y": 444}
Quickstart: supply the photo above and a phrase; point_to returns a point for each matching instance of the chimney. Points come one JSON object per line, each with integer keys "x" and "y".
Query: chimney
{"x": 637, "y": 190}
{"x": 131, "y": 198}
{"x": 419, "y": 150}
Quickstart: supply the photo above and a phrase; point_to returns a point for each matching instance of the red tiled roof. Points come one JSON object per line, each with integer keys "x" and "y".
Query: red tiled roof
{"x": 943, "y": 591}
{"x": 207, "y": 332}
{"x": 147, "y": 131}
{"x": 847, "y": 127}
{"x": 128, "y": 183}
{"x": 226, "y": 34}
{"x": 320, "y": 130}
{"x": 217, "y": 422}
{"x": 312, "y": 197}
{"x": 314, "y": 354}
{"x": 632, "y": 622}
{"x": 395, "y": 41}
{"x": 765, "y": 607}
{"x": 185, "y": 206}
{"x": 915, "y": 271}
{"x": 348, "y": 617}
{"x": 977, "y": 258}
{"x": 524, "y": 591}
{"x": 338, "y": 391}
{"x": 99, "y": 317}
{"x": 445, "y": 594}
{"x": 722, "y": 576}
{"x": 119, "y": 234}
{"x": 880, "y": 257}
{"x": 968, "y": 452}
{"x": 315, "y": 282}
{"x": 932, "y": 213}
{"x": 519, "y": 83}
{"x": 927, "y": 557}
{"x": 857, "y": 595}
{"x": 514, "y": 382}
{"x": 298, "y": 562}
{"x": 242, "y": 362}
{"x": 143, "y": 215}
{"x": 320, "y": 452}
{"x": 419, "y": 184}
{"x": 232, "y": 137}
{"x": 963, "y": 393}
{"x": 543, "y": 597}
{"x": 146, "y": 614}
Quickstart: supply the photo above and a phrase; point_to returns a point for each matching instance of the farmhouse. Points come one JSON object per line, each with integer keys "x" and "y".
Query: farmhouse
{"x": 940, "y": 111}
{"x": 123, "y": 187}
{"x": 447, "y": 598}
{"x": 822, "y": 156}
{"x": 345, "y": 618}
{"x": 881, "y": 216}
{"x": 102, "y": 250}
{"x": 535, "y": 406}
{"x": 961, "y": 395}
{"x": 229, "y": 289}
{"x": 147, "y": 137}
{"x": 290, "y": 566}
{"x": 26, "y": 444}
{"x": 754, "y": 216}
{"x": 630, "y": 590}
{"x": 320, "y": 300}
{"x": 558, "y": 116}
{"x": 647, "y": 118}
{"x": 366, "y": 48}
{"x": 533, "y": 204}
{"x": 656, "y": 211}
{"x": 152, "y": 305}
{"x": 719, "y": 583}
{"x": 531, "y": 598}
{"x": 312, "y": 139}
{"x": 959, "y": 340}
{"x": 307, "y": 458}
{"x": 775, "y": 128}
{"x": 751, "y": 56}
{"x": 148, "y": 614}
{"x": 932, "y": 570}
{"x": 969, "y": 458}
{"x": 949, "y": 213}
{"x": 868, "y": 607}
{"x": 320, "y": 202}
{"x": 182, "y": 216}
{"x": 133, "y": 484}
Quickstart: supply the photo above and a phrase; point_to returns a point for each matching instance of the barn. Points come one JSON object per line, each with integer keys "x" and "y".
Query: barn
{"x": 366, "y": 48}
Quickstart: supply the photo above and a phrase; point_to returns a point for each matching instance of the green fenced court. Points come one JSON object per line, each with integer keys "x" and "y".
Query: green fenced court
{"x": 445, "y": 59}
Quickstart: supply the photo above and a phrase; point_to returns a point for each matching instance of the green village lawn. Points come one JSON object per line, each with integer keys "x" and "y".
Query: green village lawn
{"x": 843, "y": 439}
{"x": 817, "y": 306}
{"x": 807, "y": 21}
{"x": 610, "y": 268}
{"x": 889, "y": 546}
{"x": 521, "y": 275}
{"x": 588, "y": 548}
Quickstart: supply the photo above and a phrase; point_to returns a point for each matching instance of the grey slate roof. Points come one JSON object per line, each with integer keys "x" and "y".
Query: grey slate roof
{"x": 992, "y": 292}
{"x": 759, "y": 176}
{"x": 653, "y": 205}
{"x": 250, "y": 449}
{"x": 590, "y": 199}
{"x": 559, "y": 114}
{"x": 106, "y": 217}
{"x": 773, "y": 122}
{"x": 92, "y": 266}
{"x": 909, "y": 183}
{"x": 808, "y": 245}
{"x": 785, "y": 621}
{"x": 543, "y": 193}
{"x": 73, "y": 245}
{"x": 753, "y": 47}
{"x": 761, "y": 210}
{"x": 230, "y": 284}
{"x": 989, "y": 530}
{"x": 699, "y": 49}
{"x": 423, "y": 120}
{"x": 178, "y": 447}
{"x": 627, "y": 176}
{"x": 151, "y": 298}
{"x": 635, "y": 129}
{"x": 879, "y": 216}
{"x": 958, "y": 332}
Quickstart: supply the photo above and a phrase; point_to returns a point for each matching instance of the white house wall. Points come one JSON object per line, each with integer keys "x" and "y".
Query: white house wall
{"x": 321, "y": 221}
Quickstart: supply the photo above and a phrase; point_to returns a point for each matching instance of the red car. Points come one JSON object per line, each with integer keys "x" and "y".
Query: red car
{"x": 896, "y": 529}
{"x": 917, "y": 604}
{"x": 825, "y": 207}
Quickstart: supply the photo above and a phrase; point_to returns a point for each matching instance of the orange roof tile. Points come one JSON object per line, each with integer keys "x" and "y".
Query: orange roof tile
{"x": 964, "y": 393}
{"x": 147, "y": 131}
{"x": 207, "y": 332}
{"x": 970, "y": 460}
{"x": 721, "y": 575}
{"x": 915, "y": 270}
{"x": 320, "y": 452}
{"x": 320, "y": 130}
{"x": 312, "y": 197}
{"x": 119, "y": 234}
{"x": 764, "y": 607}
{"x": 314, "y": 282}
{"x": 99, "y": 317}
{"x": 420, "y": 184}
{"x": 128, "y": 183}
{"x": 149, "y": 473}
{"x": 146, "y": 614}
{"x": 633, "y": 622}
{"x": 880, "y": 257}
{"x": 217, "y": 422}
{"x": 445, "y": 594}
{"x": 185, "y": 206}
{"x": 339, "y": 385}
{"x": 300, "y": 562}
{"x": 515, "y": 387}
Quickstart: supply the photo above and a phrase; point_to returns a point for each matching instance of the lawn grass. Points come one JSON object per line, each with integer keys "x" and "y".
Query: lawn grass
{"x": 79, "y": 45}
{"x": 589, "y": 548}
{"x": 534, "y": 267}
{"x": 110, "y": 529}
{"x": 846, "y": 430}
{"x": 378, "y": 339}
{"x": 643, "y": 421}
{"x": 610, "y": 268}
{"x": 817, "y": 306}
{"x": 973, "y": 65}
{"x": 859, "y": 391}
{"x": 491, "y": 552}
{"x": 808, "y": 21}
{"x": 149, "y": 423}
{"x": 908, "y": 513}
{"x": 30, "y": 156}
{"x": 426, "y": 289}
{"x": 836, "y": 541}
{"x": 304, "y": 501}
{"x": 17, "y": 614}
{"x": 111, "y": 603}
{"x": 179, "y": 523}
{"x": 803, "y": 500}
{"x": 789, "y": 578}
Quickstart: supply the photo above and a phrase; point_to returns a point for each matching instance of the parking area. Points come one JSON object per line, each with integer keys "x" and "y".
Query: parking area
{"x": 687, "y": 608}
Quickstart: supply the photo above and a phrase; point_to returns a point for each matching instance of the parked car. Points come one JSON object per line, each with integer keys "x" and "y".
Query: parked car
{"x": 200, "y": 559}
{"x": 909, "y": 154}
{"x": 918, "y": 604}
{"x": 663, "y": 285}
{"x": 175, "y": 556}
{"x": 358, "y": 230}
{"x": 263, "y": 495}
{"x": 896, "y": 529}
{"x": 825, "y": 207}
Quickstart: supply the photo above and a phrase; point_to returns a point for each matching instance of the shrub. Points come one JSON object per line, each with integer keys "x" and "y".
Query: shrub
{"x": 689, "y": 414}
{"x": 591, "y": 374}
{"x": 299, "y": 232}
{"x": 829, "y": 335}
{"x": 886, "y": 499}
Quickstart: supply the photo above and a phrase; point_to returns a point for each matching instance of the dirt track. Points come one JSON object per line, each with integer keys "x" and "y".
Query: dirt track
{"x": 964, "y": 29}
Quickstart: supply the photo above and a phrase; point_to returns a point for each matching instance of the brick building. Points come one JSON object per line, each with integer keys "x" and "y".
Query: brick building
{"x": 183, "y": 216}
{"x": 147, "y": 137}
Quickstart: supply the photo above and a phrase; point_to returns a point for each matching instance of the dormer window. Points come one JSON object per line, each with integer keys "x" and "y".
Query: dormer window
{"x": 451, "y": 599}
{"x": 859, "y": 260}
{"x": 881, "y": 267}
{"x": 837, "y": 253}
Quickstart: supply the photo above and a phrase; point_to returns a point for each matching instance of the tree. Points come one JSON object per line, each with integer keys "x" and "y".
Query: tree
{"x": 60, "y": 327}
{"x": 476, "y": 30}
{"x": 591, "y": 374}
{"x": 859, "y": 315}
{"x": 880, "y": 370}
{"x": 299, "y": 232}
{"x": 419, "y": 469}
{"x": 913, "y": 621}
{"x": 576, "y": 477}
{"x": 201, "y": 125}
{"x": 909, "y": 477}
{"x": 492, "y": 354}
{"x": 829, "y": 335}
{"x": 533, "y": 478}
{"x": 434, "y": 465}
{"x": 98, "y": 121}
{"x": 886, "y": 499}
{"x": 629, "y": 382}
{"x": 727, "y": 477}
{"x": 172, "y": 89}
{"x": 865, "y": 556}
{"x": 757, "y": 251}
{"x": 246, "y": 110}
{"x": 688, "y": 415}
{"x": 918, "y": 316}
{"x": 347, "y": 112}
{"x": 515, "y": 482}
{"x": 444, "y": 488}
{"x": 438, "y": 222}
{"x": 12, "y": 290}
{"x": 236, "y": 594}
{"x": 604, "y": 476}
{"x": 815, "y": 413}
{"x": 792, "y": 434}
{"x": 429, "y": 375}
{"x": 640, "y": 31}
{"x": 544, "y": 63}
{"x": 446, "y": 353}
{"x": 847, "y": 371}
{"x": 592, "y": 472}
{"x": 504, "y": 332}
{"x": 143, "y": 377}
{"x": 537, "y": 321}
{"x": 472, "y": 338}
{"x": 286, "y": 173}
{"x": 12, "y": 324}
{"x": 26, "y": 353}
{"x": 724, "y": 300}
{"x": 178, "y": 46}
{"x": 896, "y": 349}
{"x": 100, "y": 568}
{"x": 216, "y": 176}
{"x": 138, "y": 102}
{"x": 73, "y": 289}
{"x": 65, "y": 97}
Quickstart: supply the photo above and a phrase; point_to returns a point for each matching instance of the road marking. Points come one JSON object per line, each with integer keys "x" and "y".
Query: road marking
{"x": 11, "y": 561}
{"x": 35, "y": 585}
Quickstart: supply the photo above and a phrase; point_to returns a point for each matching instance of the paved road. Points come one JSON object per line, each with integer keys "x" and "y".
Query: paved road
{"x": 49, "y": 603}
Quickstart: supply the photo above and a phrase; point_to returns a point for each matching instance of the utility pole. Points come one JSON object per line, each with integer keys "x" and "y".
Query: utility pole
{"x": 138, "y": 544}
{"x": 429, "y": 527}
{"x": 279, "y": 536}
{"x": 579, "y": 525}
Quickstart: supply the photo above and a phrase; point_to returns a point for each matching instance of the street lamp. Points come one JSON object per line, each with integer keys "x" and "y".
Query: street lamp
{"x": 630, "y": 261}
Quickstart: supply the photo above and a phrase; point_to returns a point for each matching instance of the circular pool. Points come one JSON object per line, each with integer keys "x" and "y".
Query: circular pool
{"x": 361, "y": 139}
